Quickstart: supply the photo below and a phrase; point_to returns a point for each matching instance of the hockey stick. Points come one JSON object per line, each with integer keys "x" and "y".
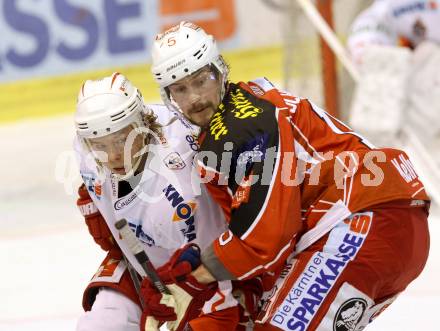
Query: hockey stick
{"x": 135, "y": 279}
{"x": 329, "y": 36}
{"x": 138, "y": 251}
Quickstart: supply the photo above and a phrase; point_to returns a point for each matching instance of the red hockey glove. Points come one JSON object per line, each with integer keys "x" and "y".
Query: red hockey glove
{"x": 187, "y": 294}
{"x": 248, "y": 293}
{"x": 95, "y": 222}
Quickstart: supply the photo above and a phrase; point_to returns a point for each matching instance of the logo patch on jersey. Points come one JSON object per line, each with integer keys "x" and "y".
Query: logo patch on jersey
{"x": 319, "y": 276}
{"x": 93, "y": 185}
{"x": 242, "y": 193}
{"x": 257, "y": 90}
{"x": 110, "y": 270}
{"x": 415, "y": 6}
{"x": 352, "y": 310}
{"x": 163, "y": 140}
{"x": 174, "y": 161}
{"x": 349, "y": 314}
{"x": 125, "y": 201}
{"x": 98, "y": 190}
{"x": 184, "y": 211}
{"x": 192, "y": 141}
{"x": 140, "y": 234}
{"x": 107, "y": 269}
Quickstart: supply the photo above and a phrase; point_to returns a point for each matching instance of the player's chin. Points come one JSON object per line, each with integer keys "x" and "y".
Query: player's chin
{"x": 202, "y": 118}
{"x": 118, "y": 170}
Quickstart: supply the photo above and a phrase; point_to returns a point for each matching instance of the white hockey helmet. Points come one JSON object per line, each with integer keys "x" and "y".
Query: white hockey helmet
{"x": 107, "y": 105}
{"x": 182, "y": 50}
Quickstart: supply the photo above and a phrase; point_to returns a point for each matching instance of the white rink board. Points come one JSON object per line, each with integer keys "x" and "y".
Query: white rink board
{"x": 48, "y": 256}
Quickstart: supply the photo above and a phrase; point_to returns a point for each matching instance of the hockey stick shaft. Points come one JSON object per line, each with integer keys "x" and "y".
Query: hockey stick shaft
{"x": 329, "y": 36}
{"x": 138, "y": 251}
{"x": 134, "y": 277}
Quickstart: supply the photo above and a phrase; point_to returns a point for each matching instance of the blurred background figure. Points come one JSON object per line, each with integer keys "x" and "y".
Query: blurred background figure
{"x": 403, "y": 23}
{"x": 396, "y": 46}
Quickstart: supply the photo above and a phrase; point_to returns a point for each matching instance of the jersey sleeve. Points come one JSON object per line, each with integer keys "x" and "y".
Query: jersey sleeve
{"x": 249, "y": 173}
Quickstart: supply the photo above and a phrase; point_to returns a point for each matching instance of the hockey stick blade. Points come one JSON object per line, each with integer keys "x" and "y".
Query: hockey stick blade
{"x": 138, "y": 251}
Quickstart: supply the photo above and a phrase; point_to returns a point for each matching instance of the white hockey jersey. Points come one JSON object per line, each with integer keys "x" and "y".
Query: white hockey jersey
{"x": 169, "y": 207}
{"x": 386, "y": 22}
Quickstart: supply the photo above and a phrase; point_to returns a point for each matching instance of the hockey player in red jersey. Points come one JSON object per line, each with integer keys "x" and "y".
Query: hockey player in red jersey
{"x": 342, "y": 225}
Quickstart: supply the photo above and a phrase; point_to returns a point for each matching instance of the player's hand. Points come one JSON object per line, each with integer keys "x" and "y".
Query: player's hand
{"x": 95, "y": 222}
{"x": 187, "y": 294}
{"x": 248, "y": 293}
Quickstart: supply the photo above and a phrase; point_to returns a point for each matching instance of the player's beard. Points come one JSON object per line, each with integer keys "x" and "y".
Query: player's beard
{"x": 201, "y": 113}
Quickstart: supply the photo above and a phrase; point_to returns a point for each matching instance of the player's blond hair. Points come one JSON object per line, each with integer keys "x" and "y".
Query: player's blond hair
{"x": 150, "y": 120}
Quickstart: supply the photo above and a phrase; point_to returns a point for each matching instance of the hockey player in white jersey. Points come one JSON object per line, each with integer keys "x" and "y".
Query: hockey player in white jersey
{"x": 136, "y": 163}
{"x": 395, "y": 22}
{"x": 396, "y": 45}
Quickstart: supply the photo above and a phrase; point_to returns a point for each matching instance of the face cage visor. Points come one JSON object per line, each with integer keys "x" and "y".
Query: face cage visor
{"x": 216, "y": 74}
{"x": 122, "y": 142}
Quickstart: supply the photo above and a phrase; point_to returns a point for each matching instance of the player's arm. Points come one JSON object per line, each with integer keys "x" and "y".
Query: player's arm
{"x": 95, "y": 222}
{"x": 264, "y": 211}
